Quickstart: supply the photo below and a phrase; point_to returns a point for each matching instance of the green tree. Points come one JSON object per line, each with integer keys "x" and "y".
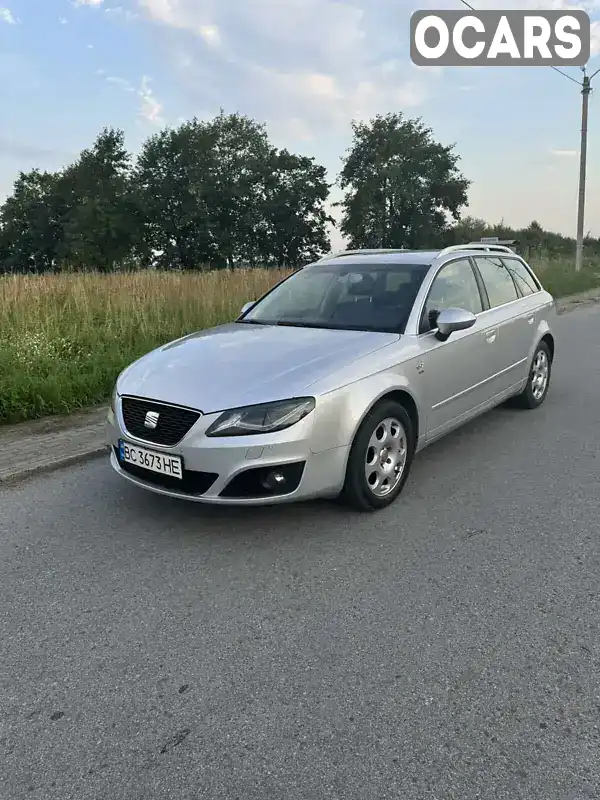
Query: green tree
{"x": 468, "y": 229}
{"x": 172, "y": 179}
{"x": 201, "y": 187}
{"x": 217, "y": 194}
{"x": 402, "y": 187}
{"x": 294, "y": 224}
{"x": 101, "y": 215}
{"x": 241, "y": 149}
{"x": 31, "y": 231}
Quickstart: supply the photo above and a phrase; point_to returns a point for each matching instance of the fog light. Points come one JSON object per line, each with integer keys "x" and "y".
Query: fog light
{"x": 269, "y": 481}
{"x": 273, "y": 481}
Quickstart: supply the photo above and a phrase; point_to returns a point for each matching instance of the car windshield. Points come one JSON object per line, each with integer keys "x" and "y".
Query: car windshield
{"x": 360, "y": 297}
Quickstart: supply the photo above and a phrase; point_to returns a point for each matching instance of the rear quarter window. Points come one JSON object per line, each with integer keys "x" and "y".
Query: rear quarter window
{"x": 525, "y": 281}
{"x": 497, "y": 279}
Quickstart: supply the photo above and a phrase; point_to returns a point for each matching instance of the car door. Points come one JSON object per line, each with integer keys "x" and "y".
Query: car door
{"x": 456, "y": 372}
{"x": 532, "y": 305}
{"x": 509, "y": 316}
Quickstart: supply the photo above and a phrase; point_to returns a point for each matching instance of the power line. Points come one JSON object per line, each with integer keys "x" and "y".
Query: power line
{"x": 586, "y": 89}
{"x": 570, "y": 77}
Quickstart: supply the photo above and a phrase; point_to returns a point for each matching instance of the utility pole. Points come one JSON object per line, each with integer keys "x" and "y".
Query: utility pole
{"x": 586, "y": 89}
{"x": 585, "y": 97}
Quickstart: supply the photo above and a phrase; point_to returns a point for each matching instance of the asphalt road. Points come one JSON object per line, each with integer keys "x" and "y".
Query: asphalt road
{"x": 445, "y": 648}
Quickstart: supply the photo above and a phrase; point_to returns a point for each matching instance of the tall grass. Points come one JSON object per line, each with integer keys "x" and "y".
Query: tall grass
{"x": 64, "y": 338}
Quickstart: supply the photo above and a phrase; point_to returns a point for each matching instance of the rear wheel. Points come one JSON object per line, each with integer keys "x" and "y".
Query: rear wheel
{"x": 538, "y": 382}
{"x": 380, "y": 458}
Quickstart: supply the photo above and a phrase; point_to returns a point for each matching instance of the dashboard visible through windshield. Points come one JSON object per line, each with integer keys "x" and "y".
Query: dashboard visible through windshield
{"x": 369, "y": 297}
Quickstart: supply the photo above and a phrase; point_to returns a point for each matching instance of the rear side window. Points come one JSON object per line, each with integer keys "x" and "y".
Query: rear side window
{"x": 498, "y": 282}
{"x": 521, "y": 276}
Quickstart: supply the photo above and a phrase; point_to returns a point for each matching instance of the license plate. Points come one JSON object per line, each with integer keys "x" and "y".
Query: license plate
{"x": 149, "y": 459}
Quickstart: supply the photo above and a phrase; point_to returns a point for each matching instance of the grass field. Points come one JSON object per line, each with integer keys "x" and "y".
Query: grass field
{"x": 64, "y": 338}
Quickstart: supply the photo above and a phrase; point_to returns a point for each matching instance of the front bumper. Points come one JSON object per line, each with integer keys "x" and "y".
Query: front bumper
{"x": 231, "y": 470}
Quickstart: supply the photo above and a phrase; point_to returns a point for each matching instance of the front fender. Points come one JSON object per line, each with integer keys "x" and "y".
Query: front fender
{"x": 340, "y": 412}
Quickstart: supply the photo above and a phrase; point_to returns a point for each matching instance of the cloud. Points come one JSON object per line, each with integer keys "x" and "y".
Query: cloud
{"x": 121, "y": 12}
{"x": 564, "y": 153}
{"x": 150, "y": 109}
{"x": 95, "y": 3}
{"x": 591, "y": 6}
{"x": 121, "y": 83}
{"x": 304, "y": 66}
{"x": 210, "y": 34}
{"x": 63, "y": 21}
{"x": 595, "y": 34}
{"x": 7, "y": 16}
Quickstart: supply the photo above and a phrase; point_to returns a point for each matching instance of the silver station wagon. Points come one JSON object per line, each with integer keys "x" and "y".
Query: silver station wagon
{"x": 329, "y": 384}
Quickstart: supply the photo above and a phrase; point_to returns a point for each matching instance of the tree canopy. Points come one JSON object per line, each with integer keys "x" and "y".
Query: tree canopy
{"x": 216, "y": 193}
{"x": 206, "y": 194}
{"x": 402, "y": 187}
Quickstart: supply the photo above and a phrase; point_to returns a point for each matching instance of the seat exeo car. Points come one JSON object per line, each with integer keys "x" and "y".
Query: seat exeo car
{"x": 329, "y": 384}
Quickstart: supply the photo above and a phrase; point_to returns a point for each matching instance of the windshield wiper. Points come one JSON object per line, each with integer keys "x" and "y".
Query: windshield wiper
{"x": 253, "y": 322}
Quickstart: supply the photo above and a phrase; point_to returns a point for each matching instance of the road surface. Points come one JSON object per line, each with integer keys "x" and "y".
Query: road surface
{"x": 444, "y": 648}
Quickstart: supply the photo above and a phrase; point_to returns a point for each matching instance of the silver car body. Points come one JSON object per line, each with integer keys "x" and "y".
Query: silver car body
{"x": 443, "y": 384}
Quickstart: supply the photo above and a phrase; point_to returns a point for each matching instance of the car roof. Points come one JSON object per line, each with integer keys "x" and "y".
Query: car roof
{"x": 425, "y": 257}
{"x": 383, "y": 257}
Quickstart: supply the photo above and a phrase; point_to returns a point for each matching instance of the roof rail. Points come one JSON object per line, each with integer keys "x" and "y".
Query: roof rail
{"x": 497, "y": 248}
{"x": 367, "y": 252}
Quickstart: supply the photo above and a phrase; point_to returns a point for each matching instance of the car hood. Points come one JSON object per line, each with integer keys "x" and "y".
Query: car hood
{"x": 240, "y": 364}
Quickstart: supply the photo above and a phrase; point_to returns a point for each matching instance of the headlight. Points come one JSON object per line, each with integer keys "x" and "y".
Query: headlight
{"x": 263, "y": 418}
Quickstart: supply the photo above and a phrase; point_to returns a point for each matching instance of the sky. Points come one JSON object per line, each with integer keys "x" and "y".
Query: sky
{"x": 306, "y": 68}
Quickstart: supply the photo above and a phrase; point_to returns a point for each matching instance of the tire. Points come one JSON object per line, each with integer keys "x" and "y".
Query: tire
{"x": 541, "y": 365}
{"x": 358, "y": 493}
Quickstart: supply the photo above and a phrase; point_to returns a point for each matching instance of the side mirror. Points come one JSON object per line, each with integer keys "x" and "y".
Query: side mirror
{"x": 451, "y": 320}
{"x": 247, "y": 306}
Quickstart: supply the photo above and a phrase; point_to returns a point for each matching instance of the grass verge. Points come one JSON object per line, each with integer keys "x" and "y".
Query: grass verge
{"x": 64, "y": 338}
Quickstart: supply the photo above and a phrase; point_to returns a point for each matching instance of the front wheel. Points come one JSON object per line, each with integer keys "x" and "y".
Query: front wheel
{"x": 380, "y": 458}
{"x": 538, "y": 382}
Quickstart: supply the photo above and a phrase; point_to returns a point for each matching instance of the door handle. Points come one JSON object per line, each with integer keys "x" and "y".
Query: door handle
{"x": 490, "y": 336}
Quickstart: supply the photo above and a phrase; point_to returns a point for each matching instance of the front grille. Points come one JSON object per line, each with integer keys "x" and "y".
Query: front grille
{"x": 173, "y": 422}
{"x": 192, "y": 483}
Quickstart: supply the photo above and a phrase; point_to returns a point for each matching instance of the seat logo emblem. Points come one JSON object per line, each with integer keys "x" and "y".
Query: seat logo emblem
{"x": 151, "y": 420}
{"x": 420, "y": 368}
